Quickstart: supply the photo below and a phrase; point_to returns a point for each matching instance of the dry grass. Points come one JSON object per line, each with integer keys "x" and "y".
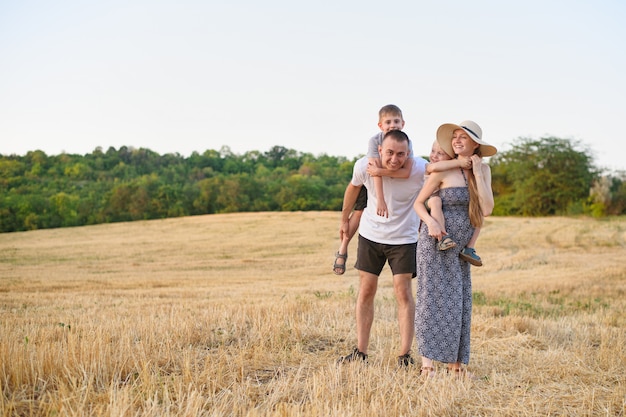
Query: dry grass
{"x": 241, "y": 315}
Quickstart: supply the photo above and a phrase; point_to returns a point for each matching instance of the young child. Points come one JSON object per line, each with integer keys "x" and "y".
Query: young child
{"x": 389, "y": 118}
{"x": 438, "y": 162}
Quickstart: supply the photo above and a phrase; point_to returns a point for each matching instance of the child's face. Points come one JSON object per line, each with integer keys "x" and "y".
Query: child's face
{"x": 437, "y": 154}
{"x": 391, "y": 122}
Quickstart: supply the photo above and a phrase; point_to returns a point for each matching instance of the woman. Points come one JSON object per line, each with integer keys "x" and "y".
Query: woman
{"x": 444, "y": 289}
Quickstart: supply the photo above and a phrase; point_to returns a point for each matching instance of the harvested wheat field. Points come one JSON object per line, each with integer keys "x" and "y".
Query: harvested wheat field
{"x": 241, "y": 315}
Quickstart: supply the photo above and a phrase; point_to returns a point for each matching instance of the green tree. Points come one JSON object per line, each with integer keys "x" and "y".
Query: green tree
{"x": 64, "y": 210}
{"x": 205, "y": 202}
{"x": 542, "y": 177}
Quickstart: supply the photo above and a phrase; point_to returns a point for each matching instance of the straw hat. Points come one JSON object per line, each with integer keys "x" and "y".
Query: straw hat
{"x": 446, "y": 131}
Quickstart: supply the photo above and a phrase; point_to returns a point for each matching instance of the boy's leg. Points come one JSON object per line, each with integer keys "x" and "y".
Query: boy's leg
{"x": 341, "y": 256}
{"x": 353, "y": 225}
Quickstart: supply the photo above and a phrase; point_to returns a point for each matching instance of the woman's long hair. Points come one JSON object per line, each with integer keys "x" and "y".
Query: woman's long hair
{"x": 475, "y": 212}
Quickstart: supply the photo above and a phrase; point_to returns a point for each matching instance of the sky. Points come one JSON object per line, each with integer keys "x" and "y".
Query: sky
{"x": 183, "y": 76}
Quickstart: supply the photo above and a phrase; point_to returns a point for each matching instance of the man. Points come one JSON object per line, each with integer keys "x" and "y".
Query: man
{"x": 390, "y": 239}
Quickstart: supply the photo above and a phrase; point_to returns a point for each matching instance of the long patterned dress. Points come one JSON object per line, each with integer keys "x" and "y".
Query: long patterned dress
{"x": 444, "y": 288}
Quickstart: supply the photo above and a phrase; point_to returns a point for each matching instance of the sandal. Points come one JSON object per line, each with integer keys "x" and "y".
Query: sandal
{"x": 355, "y": 356}
{"x": 461, "y": 373}
{"x": 469, "y": 255}
{"x": 427, "y": 371}
{"x": 339, "y": 269}
{"x": 446, "y": 243}
{"x": 405, "y": 360}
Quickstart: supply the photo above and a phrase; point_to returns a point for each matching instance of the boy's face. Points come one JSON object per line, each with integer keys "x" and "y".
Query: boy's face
{"x": 391, "y": 122}
{"x": 393, "y": 154}
{"x": 437, "y": 154}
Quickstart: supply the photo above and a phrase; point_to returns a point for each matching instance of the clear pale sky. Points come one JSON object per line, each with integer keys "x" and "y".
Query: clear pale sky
{"x": 183, "y": 76}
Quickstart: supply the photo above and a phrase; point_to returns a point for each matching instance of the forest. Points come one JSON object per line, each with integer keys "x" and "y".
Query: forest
{"x": 536, "y": 177}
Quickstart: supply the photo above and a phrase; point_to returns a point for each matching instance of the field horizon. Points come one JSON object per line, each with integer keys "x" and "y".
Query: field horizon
{"x": 240, "y": 314}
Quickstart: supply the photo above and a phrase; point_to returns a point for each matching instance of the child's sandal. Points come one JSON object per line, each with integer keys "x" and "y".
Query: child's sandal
{"x": 446, "y": 243}
{"x": 469, "y": 255}
{"x": 339, "y": 269}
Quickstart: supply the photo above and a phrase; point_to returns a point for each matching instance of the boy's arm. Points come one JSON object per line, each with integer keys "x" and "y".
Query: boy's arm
{"x": 381, "y": 205}
{"x": 404, "y": 172}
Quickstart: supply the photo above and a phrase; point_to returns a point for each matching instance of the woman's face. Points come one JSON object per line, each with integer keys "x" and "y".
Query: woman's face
{"x": 462, "y": 144}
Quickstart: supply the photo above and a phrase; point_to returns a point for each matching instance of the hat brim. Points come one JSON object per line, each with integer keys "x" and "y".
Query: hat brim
{"x": 444, "y": 138}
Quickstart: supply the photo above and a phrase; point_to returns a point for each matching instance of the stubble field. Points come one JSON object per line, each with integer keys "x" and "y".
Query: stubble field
{"x": 240, "y": 314}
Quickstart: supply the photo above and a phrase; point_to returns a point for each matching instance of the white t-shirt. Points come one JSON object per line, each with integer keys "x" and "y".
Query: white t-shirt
{"x": 401, "y": 227}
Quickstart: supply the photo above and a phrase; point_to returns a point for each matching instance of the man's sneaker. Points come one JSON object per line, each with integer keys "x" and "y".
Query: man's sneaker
{"x": 356, "y": 355}
{"x": 469, "y": 255}
{"x": 405, "y": 360}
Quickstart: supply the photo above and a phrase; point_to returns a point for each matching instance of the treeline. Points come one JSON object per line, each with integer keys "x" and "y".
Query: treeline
{"x": 39, "y": 191}
{"x": 553, "y": 176}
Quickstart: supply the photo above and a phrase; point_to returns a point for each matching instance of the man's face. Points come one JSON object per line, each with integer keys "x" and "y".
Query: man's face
{"x": 391, "y": 122}
{"x": 393, "y": 154}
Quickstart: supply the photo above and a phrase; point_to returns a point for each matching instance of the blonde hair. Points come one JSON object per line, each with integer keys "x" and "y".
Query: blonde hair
{"x": 475, "y": 212}
{"x": 390, "y": 109}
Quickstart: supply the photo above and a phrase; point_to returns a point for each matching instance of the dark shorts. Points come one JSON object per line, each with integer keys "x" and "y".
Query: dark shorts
{"x": 371, "y": 257}
{"x": 361, "y": 200}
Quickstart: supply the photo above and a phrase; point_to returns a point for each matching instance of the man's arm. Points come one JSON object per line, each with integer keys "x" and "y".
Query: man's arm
{"x": 349, "y": 199}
